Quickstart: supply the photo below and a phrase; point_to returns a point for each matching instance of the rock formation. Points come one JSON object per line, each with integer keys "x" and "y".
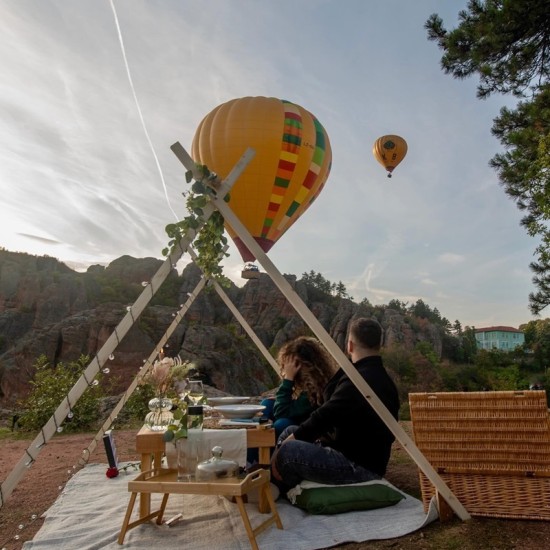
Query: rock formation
{"x": 48, "y": 309}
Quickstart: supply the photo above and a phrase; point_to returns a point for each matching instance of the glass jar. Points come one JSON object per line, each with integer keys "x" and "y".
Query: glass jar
{"x": 161, "y": 415}
{"x": 216, "y": 467}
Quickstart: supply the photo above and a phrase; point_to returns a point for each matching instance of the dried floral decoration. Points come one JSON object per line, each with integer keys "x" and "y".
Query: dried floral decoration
{"x": 166, "y": 373}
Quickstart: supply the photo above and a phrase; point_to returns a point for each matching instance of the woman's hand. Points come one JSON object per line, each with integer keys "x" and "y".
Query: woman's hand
{"x": 290, "y": 369}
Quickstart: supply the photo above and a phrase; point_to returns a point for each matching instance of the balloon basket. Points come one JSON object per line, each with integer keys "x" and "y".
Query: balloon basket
{"x": 250, "y": 274}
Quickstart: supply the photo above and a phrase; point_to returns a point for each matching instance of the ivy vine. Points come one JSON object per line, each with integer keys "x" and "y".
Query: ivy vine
{"x": 210, "y": 240}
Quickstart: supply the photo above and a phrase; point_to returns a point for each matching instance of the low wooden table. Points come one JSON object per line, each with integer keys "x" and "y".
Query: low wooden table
{"x": 165, "y": 481}
{"x": 151, "y": 445}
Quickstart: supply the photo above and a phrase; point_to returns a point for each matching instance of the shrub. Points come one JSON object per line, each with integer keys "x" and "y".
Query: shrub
{"x": 50, "y": 385}
{"x": 136, "y": 407}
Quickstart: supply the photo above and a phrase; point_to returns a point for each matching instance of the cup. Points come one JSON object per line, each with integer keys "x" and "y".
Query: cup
{"x": 189, "y": 455}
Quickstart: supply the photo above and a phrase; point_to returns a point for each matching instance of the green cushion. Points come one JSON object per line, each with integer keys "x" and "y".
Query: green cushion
{"x": 336, "y": 499}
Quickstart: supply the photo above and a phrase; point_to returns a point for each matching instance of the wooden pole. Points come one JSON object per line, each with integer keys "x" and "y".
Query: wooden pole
{"x": 341, "y": 358}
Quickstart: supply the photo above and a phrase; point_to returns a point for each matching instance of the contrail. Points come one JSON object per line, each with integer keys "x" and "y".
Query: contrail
{"x": 139, "y": 109}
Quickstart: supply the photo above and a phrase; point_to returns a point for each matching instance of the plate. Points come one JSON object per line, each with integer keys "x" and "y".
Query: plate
{"x": 229, "y": 400}
{"x": 239, "y": 411}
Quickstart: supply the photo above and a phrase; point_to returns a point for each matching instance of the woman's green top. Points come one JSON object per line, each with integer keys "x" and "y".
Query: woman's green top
{"x": 286, "y": 407}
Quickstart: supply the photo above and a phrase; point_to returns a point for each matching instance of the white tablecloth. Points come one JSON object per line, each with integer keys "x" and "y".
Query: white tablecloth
{"x": 233, "y": 443}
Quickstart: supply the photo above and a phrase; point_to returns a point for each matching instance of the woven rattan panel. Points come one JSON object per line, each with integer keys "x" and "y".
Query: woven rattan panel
{"x": 492, "y": 448}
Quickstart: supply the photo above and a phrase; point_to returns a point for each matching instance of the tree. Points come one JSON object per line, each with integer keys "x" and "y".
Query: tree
{"x": 537, "y": 339}
{"x": 469, "y": 344}
{"x": 340, "y": 290}
{"x": 524, "y": 171}
{"x": 398, "y": 305}
{"x": 457, "y": 327}
{"x": 507, "y": 44}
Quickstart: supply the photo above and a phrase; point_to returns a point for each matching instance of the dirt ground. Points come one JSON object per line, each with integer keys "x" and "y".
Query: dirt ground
{"x": 20, "y": 516}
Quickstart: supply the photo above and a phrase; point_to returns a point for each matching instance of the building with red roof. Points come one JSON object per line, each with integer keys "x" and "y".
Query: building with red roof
{"x": 499, "y": 337}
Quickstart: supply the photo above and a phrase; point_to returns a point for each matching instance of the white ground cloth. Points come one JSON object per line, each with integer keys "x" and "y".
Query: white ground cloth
{"x": 89, "y": 513}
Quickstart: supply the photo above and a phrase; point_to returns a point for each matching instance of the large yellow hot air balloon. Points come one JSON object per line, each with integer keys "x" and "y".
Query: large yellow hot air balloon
{"x": 389, "y": 151}
{"x": 291, "y": 165}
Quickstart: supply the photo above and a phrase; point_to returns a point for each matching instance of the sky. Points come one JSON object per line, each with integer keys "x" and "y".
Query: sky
{"x": 87, "y": 174}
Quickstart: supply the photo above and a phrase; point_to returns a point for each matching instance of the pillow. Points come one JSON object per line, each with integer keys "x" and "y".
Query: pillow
{"x": 336, "y": 499}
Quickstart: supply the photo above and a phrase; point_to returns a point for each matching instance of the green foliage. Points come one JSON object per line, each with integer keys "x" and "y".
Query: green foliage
{"x": 398, "y": 360}
{"x": 398, "y": 305}
{"x": 321, "y": 289}
{"x": 464, "y": 378}
{"x": 50, "y": 385}
{"x": 504, "y": 43}
{"x": 427, "y": 350}
{"x": 136, "y": 407}
{"x": 404, "y": 411}
{"x": 424, "y": 311}
{"x": 537, "y": 340}
{"x": 210, "y": 240}
{"x": 507, "y": 45}
{"x": 507, "y": 378}
{"x": 524, "y": 171}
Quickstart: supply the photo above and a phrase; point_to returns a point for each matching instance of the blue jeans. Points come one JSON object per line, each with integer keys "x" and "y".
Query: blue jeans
{"x": 300, "y": 460}
{"x": 278, "y": 425}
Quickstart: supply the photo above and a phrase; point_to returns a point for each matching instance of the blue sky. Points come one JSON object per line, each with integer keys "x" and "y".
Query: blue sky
{"x": 80, "y": 181}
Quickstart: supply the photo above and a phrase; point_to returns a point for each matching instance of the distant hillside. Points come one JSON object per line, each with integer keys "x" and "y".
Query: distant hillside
{"x": 47, "y": 308}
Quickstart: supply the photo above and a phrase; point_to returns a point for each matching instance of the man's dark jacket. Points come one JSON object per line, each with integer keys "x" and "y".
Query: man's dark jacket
{"x": 347, "y": 422}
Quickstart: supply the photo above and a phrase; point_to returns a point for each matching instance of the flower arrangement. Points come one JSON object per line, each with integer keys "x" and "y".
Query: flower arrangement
{"x": 164, "y": 377}
{"x": 166, "y": 373}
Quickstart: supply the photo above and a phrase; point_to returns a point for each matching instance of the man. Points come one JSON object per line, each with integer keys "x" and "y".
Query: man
{"x": 344, "y": 440}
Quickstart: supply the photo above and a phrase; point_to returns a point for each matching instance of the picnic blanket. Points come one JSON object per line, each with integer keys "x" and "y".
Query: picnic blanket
{"x": 89, "y": 512}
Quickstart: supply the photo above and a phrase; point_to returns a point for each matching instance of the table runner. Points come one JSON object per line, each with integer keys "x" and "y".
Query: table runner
{"x": 233, "y": 443}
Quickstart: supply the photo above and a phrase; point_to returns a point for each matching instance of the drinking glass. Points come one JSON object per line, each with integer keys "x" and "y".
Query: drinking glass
{"x": 195, "y": 391}
{"x": 182, "y": 387}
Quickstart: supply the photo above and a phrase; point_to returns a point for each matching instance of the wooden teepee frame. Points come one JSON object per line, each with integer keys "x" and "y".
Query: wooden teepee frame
{"x": 307, "y": 316}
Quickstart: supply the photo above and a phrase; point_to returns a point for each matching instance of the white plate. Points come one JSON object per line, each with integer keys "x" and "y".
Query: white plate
{"x": 239, "y": 411}
{"x": 229, "y": 400}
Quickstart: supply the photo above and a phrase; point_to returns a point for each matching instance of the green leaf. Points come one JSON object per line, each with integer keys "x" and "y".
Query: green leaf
{"x": 189, "y": 176}
{"x": 198, "y": 187}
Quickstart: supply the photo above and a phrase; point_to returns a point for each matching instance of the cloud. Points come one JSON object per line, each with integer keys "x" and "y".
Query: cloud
{"x": 450, "y": 258}
{"x": 78, "y": 180}
{"x": 40, "y": 239}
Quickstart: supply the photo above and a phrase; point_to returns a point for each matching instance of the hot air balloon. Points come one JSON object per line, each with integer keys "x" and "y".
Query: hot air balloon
{"x": 389, "y": 151}
{"x": 289, "y": 170}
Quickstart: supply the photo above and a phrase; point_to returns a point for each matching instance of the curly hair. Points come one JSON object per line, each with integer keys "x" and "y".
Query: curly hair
{"x": 317, "y": 366}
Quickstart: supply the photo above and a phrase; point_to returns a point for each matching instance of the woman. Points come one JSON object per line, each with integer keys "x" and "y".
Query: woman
{"x": 306, "y": 367}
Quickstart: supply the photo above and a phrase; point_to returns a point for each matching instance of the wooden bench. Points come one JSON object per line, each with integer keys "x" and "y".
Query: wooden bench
{"x": 491, "y": 448}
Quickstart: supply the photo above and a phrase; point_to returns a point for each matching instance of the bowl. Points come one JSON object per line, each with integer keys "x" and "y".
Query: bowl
{"x": 229, "y": 400}
{"x": 239, "y": 411}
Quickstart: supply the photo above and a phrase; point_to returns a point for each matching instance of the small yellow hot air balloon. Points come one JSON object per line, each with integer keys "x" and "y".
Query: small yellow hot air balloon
{"x": 389, "y": 151}
{"x": 291, "y": 165}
